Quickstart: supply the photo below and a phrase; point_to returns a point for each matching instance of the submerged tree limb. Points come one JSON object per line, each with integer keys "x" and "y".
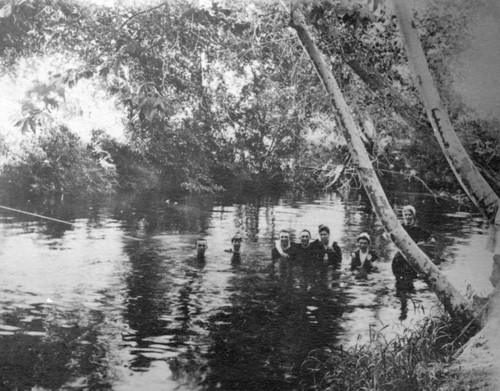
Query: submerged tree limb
{"x": 452, "y": 300}
{"x": 467, "y": 174}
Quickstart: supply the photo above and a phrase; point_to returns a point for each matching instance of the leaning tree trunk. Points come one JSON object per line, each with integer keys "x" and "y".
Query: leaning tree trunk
{"x": 453, "y": 302}
{"x": 411, "y": 115}
{"x": 476, "y": 187}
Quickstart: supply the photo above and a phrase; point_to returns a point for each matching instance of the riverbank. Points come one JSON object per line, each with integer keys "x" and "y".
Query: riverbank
{"x": 477, "y": 364}
{"x": 437, "y": 355}
{"x": 419, "y": 359}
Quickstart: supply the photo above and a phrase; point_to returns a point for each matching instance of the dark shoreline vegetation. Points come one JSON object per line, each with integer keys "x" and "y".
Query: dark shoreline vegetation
{"x": 57, "y": 164}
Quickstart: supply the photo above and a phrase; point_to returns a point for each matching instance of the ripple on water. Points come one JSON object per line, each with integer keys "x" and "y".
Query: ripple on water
{"x": 150, "y": 318}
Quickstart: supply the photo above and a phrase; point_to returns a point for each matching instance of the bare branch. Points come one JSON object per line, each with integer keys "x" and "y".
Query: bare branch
{"x": 143, "y": 12}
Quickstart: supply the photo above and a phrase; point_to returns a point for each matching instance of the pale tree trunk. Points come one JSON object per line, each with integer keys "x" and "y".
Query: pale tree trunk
{"x": 451, "y": 299}
{"x": 411, "y": 115}
{"x": 474, "y": 185}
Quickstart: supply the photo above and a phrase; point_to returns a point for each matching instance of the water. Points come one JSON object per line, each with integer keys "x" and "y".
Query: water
{"x": 89, "y": 307}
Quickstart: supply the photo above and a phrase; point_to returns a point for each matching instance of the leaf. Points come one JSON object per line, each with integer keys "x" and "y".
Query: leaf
{"x": 5, "y": 11}
{"x": 50, "y": 103}
{"x": 131, "y": 48}
{"x": 26, "y": 124}
{"x": 86, "y": 74}
{"x": 163, "y": 102}
{"x": 147, "y": 107}
{"x": 104, "y": 71}
{"x": 27, "y": 106}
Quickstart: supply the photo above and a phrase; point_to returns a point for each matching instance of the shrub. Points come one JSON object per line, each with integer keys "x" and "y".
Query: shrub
{"x": 416, "y": 360}
{"x": 56, "y": 162}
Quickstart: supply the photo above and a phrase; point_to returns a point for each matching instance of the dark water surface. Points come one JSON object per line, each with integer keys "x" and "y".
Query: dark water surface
{"x": 88, "y": 307}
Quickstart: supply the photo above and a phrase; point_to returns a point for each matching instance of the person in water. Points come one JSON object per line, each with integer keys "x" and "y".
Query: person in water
{"x": 363, "y": 258}
{"x": 201, "y": 248}
{"x": 284, "y": 247}
{"x": 306, "y": 250}
{"x": 236, "y": 249}
{"x": 403, "y": 271}
{"x": 327, "y": 250}
{"x": 418, "y": 234}
{"x": 236, "y": 243}
{"x": 400, "y": 267}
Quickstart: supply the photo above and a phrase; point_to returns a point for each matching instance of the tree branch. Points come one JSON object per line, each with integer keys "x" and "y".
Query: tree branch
{"x": 143, "y": 12}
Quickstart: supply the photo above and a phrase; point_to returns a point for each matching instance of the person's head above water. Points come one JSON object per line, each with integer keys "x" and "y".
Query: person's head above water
{"x": 284, "y": 238}
{"x": 324, "y": 233}
{"x": 409, "y": 213}
{"x": 364, "y": 241}
{"x": 305, "y": 238}
{"x": 201, "y": 247}
{"x": 236, "y": 242}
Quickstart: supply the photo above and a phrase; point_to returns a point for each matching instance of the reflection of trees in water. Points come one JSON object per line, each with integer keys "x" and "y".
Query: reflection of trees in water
{"x": 155, "y": 214}
{"x": 277, "y": 317}
{"x": 190, "y": 325}
{"x": 247, "y": 220}
{"x": 189, "y": 302}
{"x": 162, "y": 302}
{"x": 146, "y": 292}
{"x": 70, "y": 352}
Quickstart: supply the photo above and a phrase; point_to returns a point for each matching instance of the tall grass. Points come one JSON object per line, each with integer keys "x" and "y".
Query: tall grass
{"x": 415, "y": 360}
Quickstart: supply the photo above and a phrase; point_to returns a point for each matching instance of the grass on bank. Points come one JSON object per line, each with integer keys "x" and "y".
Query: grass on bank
{"x": 416, "y": 360}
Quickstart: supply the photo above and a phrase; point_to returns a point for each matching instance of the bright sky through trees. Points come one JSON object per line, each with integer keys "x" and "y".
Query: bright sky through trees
{"x": 85, "y": 108}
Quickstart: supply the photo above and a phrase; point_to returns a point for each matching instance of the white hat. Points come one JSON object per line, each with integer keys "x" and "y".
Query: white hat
{"x": 364, "y": 235}
{"x": 411, "y": 209}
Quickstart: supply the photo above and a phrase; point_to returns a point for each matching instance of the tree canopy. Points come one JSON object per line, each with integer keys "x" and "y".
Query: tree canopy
{"x": 222, "y": 96}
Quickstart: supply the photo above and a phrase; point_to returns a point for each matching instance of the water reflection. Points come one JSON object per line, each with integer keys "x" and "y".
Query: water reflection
{"x": 50, "y": 348}
{"x": 146, "y": 288}
{"x": 95, "y": 309}
{"x": 278, "y": 314}
{"x": 150, "y": 214}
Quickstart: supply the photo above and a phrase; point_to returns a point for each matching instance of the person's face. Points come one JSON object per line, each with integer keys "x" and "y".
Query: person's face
{"x": 324, "y": 236}
{"x": 236, "y": 244}
{"x": 201, "y": 247}
{"x": 408, "y": 217}
{"x": 284, "y": 239}
{"x": 363, "y": 244}
{"x": 305, "y": 238}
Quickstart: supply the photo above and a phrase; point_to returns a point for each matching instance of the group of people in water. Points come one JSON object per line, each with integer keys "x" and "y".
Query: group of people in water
{"x": 326, "y": 250}
{"x": 323, "y": 248}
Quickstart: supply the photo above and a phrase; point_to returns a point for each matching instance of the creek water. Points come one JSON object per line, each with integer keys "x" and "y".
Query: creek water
{"x": 89, "y": 307}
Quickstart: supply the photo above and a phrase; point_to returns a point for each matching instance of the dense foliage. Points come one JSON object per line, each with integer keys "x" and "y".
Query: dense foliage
{"x": 224, "y": 98}
{"x": 56, "y": 162}
{"x": 416, "y": 360}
